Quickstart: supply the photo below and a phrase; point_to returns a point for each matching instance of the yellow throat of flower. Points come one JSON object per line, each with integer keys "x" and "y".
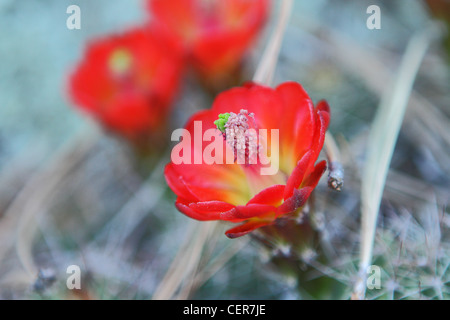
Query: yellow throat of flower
{"x": 120, "y": 61}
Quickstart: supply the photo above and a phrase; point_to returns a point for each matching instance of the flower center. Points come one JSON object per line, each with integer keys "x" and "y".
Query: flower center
{"x": 120, "y": 61}
{"x": 239, "y": 131}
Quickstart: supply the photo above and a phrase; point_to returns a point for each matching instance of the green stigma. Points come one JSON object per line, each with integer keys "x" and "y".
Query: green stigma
{"x": 222, "y": 121}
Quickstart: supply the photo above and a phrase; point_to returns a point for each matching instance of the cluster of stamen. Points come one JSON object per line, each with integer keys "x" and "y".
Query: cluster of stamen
{"x": 240, "y": 134}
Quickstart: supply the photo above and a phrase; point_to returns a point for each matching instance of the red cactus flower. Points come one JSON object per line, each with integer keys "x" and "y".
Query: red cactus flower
{"x": 237, "y": 191}
{"x": 127, "y": 81}
{"x": 215, "y": 34}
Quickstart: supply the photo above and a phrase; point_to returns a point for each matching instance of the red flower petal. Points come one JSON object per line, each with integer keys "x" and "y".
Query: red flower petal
{"x": 211, "y": 206}
{"x": 177, "y": 184}
{"x": 271, "y": 196}
{"x": 297, "y": 200}
{"x": 248, "y": 211}
{"x": 297, "y": 123}
{"x": 323, "y": 105}
{"x": 322, "y": 120}
{"x": 202, "y": 216}
{"x": 254, "y": 98}
{"x": 208, "y": 182}
{"x": 247, "y": 227}
{"x": 296, "y": 177}
{"x": 313, "y": 179}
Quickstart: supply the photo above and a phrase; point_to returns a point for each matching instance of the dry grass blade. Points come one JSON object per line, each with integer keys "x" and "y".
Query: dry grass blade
{"x": 382, "y": 140}
{"x": 414, "y": 189}
{"x": 266, "y": 67}
{"x": 186, "y": 262}
{"x": 35, "y": 196}
{"x": 44, "y": 187}
{"x": 135, "y": 209}
{"x": 220, "y": 262}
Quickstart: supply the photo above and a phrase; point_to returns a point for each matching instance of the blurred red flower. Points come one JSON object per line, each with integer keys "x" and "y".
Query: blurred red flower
{"x": 215, "y": 34}
{"x": 127, "y": 81}
{"x": 238, "y": 192}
